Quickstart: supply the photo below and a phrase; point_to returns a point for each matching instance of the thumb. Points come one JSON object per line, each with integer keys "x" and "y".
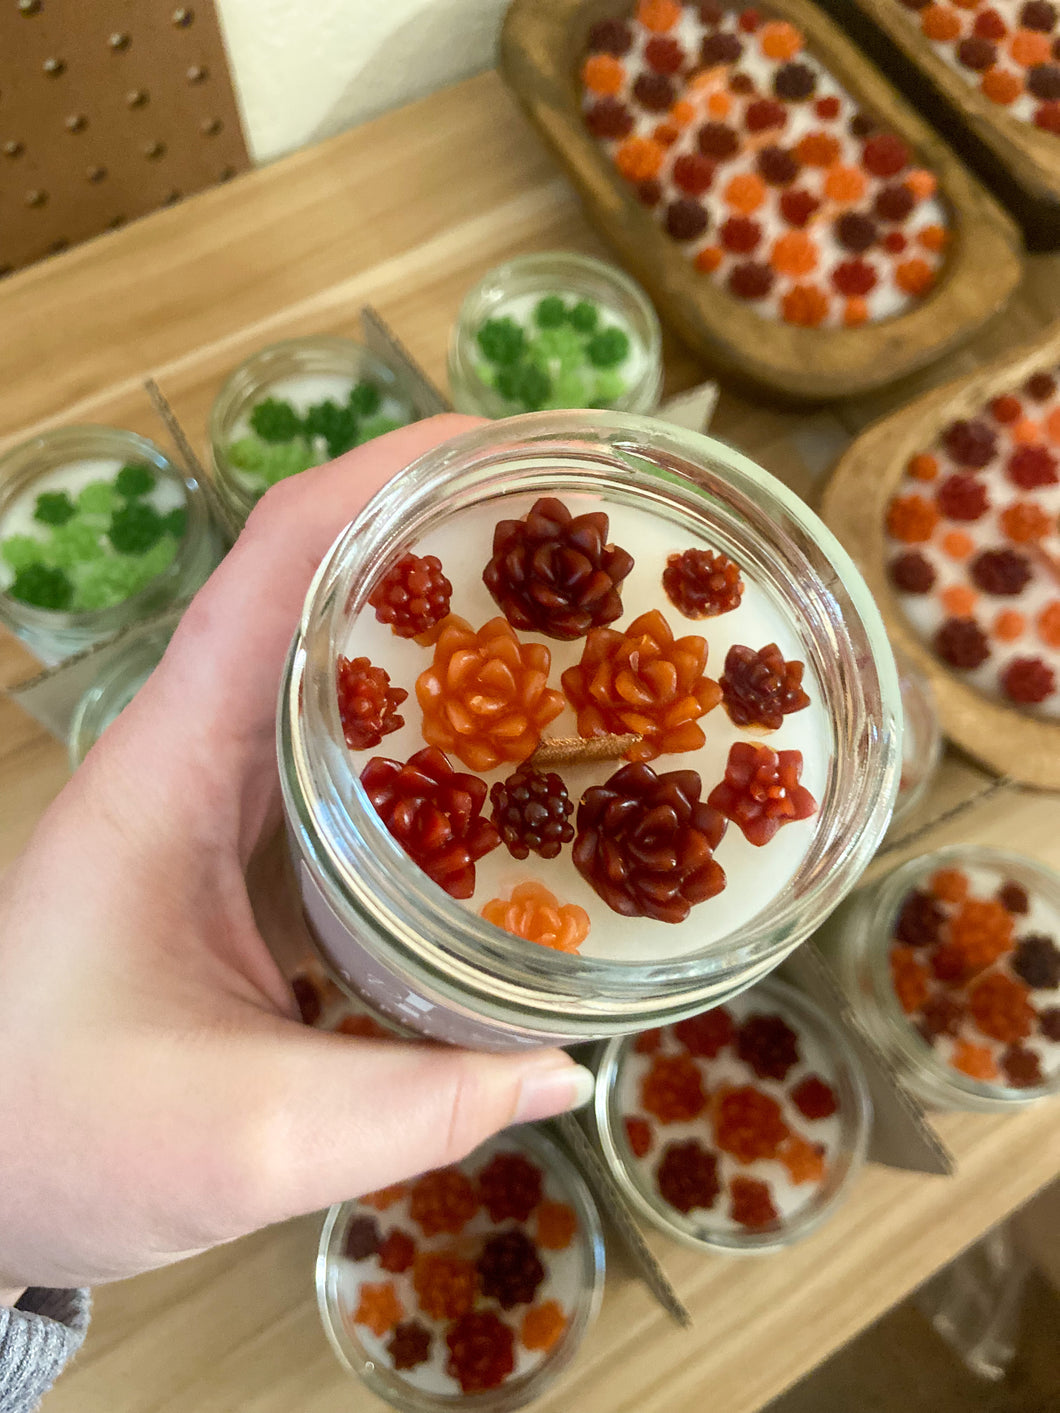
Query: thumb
{"x": 348, "y": 1116}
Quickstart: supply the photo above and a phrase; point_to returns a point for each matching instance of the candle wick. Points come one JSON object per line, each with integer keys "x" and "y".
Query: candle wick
{"x": 572, "y": 750}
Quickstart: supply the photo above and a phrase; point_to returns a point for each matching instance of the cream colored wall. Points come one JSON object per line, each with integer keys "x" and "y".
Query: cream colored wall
{"x": 307, "y": 68}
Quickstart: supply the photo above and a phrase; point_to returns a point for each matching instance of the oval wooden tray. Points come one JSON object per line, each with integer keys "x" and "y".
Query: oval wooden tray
{"x": 1020, "y": 161}
{"x": 854, "y": 506}
{"x": 542, "y": 45}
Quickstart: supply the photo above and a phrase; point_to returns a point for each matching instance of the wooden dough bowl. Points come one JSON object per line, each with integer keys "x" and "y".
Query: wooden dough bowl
{"x": 542, "y": 47}
{"x": 1017, "y": 160}
{"x": 854, "y": 505}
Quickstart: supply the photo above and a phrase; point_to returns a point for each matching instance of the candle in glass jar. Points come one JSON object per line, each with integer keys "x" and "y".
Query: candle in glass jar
{"x": 621, "y": 924}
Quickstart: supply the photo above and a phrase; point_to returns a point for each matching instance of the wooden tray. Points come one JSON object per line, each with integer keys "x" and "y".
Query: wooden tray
{"x": 854, "y": 505}
{"x": 542, "y": 45}
{"x": 1018, "y": 160}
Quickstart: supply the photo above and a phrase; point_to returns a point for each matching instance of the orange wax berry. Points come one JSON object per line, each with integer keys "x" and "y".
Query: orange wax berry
{"x": 1029, "y": 47}
{"x": 845, "y": 185}
{"x": 379, "y": 1309}
{"x": 385, "y": 1197}
{"x": 911, "y": 519}
{"x": 1000, "y": 86}
{"x": 976, "y": 1061}
{"x": 921, "y": 183}
{"x": 486, "y": 698}
{"x": 1049, "y": 624}
{"x": 818, "y": 149}
{"x": 556, "y": 1225}
{"x": 779, "y": 40}
{"x": 794, "y": 253}
{"x": 658, "y": 15}
{"x": 958, "y": 544}
{"x": 959, "y": 600}
{"x": 1023, "y": 521}
{"x": 672, "y": 1089}
{"x": 536, "y": 915}
{"x": 805, "y": 304}
{"x": 745, "y": 192}
{"x": 1052, "y": 425}
{"x": 940, "y": 23}
{"x": 719, "y": 104}
{"x": 445, "y": 1284}
{"x": 683, "y": 112}
{"x": 980, "y": 932}
{"x": 910, "y": 979}
{"x": 934, "y": 238}
{"x": 803, "y": 1159}
{"x": 603, "y": 74}
{"x": 949, "y": 885}
{"x": 855, "y": 311}
{"x": 914, "y": 276}
{"x": 923, "y": 467}
{"x": 443, "y": 1200}
{"x": 639, "y": 158}
{"x": 646, "y": 681}
{"x": 543, "y": 1325}
{"x": 1001, "y": 1008}
{"x": 708, "y": 259}
{"x": 1009, "y": 625}
{"x": 666, "y": 134}
{"x": 1025, "y": 432}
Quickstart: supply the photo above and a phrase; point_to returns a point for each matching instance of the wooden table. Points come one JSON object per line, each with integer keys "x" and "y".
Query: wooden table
{"x": 405, "y": 213}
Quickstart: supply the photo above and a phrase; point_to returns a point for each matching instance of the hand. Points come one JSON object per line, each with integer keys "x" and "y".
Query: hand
{"x": 157, "y": 1092}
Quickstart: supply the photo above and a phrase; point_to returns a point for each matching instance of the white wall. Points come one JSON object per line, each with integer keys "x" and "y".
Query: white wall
{"x": 304, "y": 69}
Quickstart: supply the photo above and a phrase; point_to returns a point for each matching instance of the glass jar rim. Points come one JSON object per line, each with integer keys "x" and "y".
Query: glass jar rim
{"x": 643, "y": 460}
{"x": 874, "y": 936}
{"x": 856, "y": 1106}
{"x": 19, "y": 469}
{"x": 505, "y": 1399}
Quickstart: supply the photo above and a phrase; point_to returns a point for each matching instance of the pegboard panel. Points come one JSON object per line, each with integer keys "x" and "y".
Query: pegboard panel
{"x": 108, "y": 109}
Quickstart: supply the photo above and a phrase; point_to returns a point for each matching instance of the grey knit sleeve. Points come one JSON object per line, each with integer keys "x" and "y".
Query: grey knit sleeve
{"x": 37, "y": 1337}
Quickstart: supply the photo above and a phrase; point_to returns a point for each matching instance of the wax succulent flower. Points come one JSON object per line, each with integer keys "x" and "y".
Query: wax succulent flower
{"x": 760, "y": 688}
{"x": 435, "y": 813}
{"x": 702, "y": 583}
{"x": 645, "y": 681}
{"x": 486, "y": 696}
{"x": 555, "y": 573}
{"x": 761, "y": 791}
{"x": 536, "y": 915}
{"x": 646, "y": 843}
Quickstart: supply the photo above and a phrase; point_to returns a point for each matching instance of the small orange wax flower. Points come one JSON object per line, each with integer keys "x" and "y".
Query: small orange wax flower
{"x": 658, "y": 15}
{"x": 949, "y": 885}
{"x": 940, "y": 23}
{"x": 845, "y": 185}
{"x": 485, "y": 698}
{"x": 933, "y": 237}
{"x": 923, "y": 467}
{"x": 803, "y": 1159}
{"x": 1023, "y": 521}
{"x": 806, "y": 305}
{"x": 1052, "y": 425}
{"x": 779, "y": 40}
{"x": 914, "y": 276}
{"x": 818, "y": 149}
{"x": 536, "y": 915}
{"x": 1010, "y": 625}
{"x": 445, "y": 1284}
{"x": 959, "y": 600}
{"x": 1029, "y": 47}
{"x": 708, "y": 259}
{"x": 980, "y": 932}
{"x": 745, "y": 192}
{"x": 640, "y": 158}
{"x": 556, "y": 1225}
{"x": 975, "y": 1061}
{"x": 911, "y": 519}
{"x": 910, "y": 979}
{"x": 603, "y": 74}
{"x": 1025, "y": 432}
{"x": 379, "y": 1309}
{"x": 543, "y": 1325}
{"x": 921, "y": 183}
{"x": 958, "y": 544}
{"x": 855, "y": 311}
{"x": 1001, "y": 86}
{"x": 646, "y": 681}
{"x": 1049, "y": 624}
{"x": 794, "y": 253}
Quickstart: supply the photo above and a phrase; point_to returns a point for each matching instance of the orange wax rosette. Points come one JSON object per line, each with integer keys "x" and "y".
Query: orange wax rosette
{"x": 535, "y": 915}
{"x": 486, "y": 697}
{"x": 644, "y": 681}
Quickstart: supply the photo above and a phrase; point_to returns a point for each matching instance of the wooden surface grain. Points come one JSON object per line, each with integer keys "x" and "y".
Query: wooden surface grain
{"x": 406, "y": 213}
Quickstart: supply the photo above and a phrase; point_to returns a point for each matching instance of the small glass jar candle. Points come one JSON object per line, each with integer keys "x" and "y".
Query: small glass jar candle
{"x": 298, "y": 404}
{"x": 921, "y": 742}
{"x": 953, "y": 965}
{"x": 698, "y": 857}
{"x": 555, "y": 330}
{"x": 739, "y": 1129}
{"x": 469, "y": 1287}
{"x": 98, "y": 529}
{"x": 116, "y": 684}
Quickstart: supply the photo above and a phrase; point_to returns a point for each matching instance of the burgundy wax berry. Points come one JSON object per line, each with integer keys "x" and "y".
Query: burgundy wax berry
{"x": 412, "y": 596}
{"x": 367, "y": 703}
{"x": 912, "y": 573}
{"x": 962, "y": 643}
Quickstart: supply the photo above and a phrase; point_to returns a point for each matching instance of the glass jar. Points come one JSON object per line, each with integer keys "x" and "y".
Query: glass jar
{"x": 574, "y": 1280}
{"x": 890, "y": 937}
{"x": 305, "y": 373}
{"x": 833, "y": 1140}
{"x": 71, "y": 464}
{"x": 393, "y": 936}
{"x": 559, "y": 355}
{"x": 119, "y": 680}
{"x": 921, "y": 741}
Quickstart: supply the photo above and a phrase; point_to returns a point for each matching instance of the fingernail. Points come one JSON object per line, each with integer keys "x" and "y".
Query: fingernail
{"x": 554, "y": 1091}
